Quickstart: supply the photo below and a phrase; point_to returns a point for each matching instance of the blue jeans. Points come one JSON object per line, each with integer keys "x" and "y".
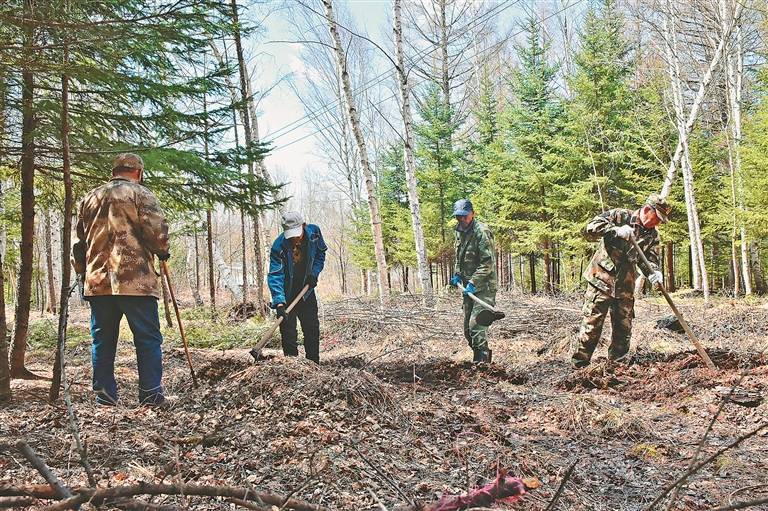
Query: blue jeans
{"x": 144, "y": 322}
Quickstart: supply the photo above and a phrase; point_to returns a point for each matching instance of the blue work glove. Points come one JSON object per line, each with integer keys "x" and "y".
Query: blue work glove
{"x": 455, "y": 280}
{"x": 469, "y": 288}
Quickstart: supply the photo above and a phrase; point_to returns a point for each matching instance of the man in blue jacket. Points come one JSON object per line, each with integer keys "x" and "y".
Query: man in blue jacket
{"x": 296, "y": 259}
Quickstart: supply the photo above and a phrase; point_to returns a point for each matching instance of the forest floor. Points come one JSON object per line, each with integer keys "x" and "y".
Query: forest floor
{"x": 396, "y": 409}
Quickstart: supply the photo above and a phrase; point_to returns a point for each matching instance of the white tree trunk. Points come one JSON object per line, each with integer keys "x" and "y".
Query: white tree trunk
{"x": 735, "y": 82}
{"x": 672, "y": 53}
{"x": 226, "y": 274}
{"x": 682, "y": 154}
{"x": 373, "y": 203}
{"x": 193, "y": 266}
{"x": 245, "y": 115}
{"x": 410, "y": 165}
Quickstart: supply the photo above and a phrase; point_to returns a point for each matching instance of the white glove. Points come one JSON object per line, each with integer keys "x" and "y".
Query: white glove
{"x": 624, "y": 231}
{"x": 656, "y": 278}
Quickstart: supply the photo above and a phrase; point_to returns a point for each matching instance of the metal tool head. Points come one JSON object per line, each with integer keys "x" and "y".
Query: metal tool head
{"x": 486, "y": 316}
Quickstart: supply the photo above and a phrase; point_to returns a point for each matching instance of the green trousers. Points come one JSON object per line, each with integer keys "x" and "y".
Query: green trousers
{"x": 476, "y": 335}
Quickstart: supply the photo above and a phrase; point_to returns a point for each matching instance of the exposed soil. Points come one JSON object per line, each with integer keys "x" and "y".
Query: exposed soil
{"x": 403, "y": 398}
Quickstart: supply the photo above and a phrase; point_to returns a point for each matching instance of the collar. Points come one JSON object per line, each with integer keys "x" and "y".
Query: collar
{"x": 121, "y": 178}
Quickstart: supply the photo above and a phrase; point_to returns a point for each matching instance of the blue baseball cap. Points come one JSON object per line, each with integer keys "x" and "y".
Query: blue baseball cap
{"x": 462, "y": 207}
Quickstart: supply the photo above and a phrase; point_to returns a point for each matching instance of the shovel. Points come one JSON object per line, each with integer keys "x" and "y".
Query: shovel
{"x": 167, "y": 274}
{"x": 488, "y": 315}
{"x": 256, "y": 351}
{"x": 699, "y": 348}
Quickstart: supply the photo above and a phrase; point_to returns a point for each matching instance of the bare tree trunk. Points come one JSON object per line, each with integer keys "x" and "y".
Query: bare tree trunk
{"x": 373, "y": 203}
{"x": 672, "y": 52}
{"x": 49, "y": 263}
{"x": 547, "y": 267}
{"x": 66, "y": 232}
{"x": 670, "y": 281}
{"x": 198, "y": 299}
{"x": 532, "y": 266}
{"x": 194, "y": 280}
{"x": 245, "y": 257}
{"x": 226, "y": 275}
{"x": 5, "y": 372}
{"x": 735, "y": 68}
{"x": 249, "y": 143}
{"x": 684, "y": 129}
{"x": 211, "y": 278}
{"x": 757, "y": 270}
{"x": 26, "y": 249}
{"x": 410, "y": 166}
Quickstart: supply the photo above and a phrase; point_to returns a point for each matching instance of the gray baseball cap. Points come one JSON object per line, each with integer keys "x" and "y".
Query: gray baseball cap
{"x": 462, "y": 207}
{"x": 293, "y": 224}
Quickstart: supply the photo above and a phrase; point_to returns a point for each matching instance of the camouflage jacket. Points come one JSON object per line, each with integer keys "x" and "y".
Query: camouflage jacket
{"x": 476, "y": 257}
{"x": 120, "y": 227}
{"x": 612, "y": 269}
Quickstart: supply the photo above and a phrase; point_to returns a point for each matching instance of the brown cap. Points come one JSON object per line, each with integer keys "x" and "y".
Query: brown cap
{"x": 660, "y": 204}
{"x": 126, "y": 161}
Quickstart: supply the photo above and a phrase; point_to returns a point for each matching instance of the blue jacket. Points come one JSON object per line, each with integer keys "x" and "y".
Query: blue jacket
{"x": 280, "y": 275}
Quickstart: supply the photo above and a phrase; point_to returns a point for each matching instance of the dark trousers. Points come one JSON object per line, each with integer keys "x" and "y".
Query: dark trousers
{"x": 144, "y": 322}
{"x": 306, "y": 312}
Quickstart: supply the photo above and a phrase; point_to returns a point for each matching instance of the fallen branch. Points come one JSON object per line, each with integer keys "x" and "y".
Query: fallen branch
{"x": 16, "y": 502}
{"x": 701, "y": 464}
{"x": 703, "y": 440}
{"x": 59, "y": 489}
{"x": 100, "y": 496}
{"x": 741, "y": 505}
{"x": 40, "y": 491}
{"x": 559, "y": 492}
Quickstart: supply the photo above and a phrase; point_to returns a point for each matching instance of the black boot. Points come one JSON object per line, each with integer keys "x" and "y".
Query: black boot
{"x": 482, "y": 357}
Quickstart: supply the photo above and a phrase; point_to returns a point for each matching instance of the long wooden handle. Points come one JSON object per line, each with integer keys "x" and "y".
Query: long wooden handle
{"x": 178, "y": 320}
{"x": 267, "y": 336}
{"x": 680, "y": 318}
{"x": 478, "y": 300}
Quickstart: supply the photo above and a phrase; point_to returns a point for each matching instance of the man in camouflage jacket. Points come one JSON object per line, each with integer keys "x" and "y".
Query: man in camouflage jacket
{"x": 475, "y": 269}
{"x": 120, "y": 229}
{"x": 611, "y": 274}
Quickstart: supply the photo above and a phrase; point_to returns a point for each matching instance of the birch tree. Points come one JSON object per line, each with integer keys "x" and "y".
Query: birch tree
{"x": 354, "y": 121}
{"x": 246, "y": 108}
{"x": 410, "y": 165}
{"x": 734, "y": 60}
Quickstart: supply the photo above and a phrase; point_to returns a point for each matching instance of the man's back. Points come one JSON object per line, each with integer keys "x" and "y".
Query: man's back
{"x": 120, "y": 227}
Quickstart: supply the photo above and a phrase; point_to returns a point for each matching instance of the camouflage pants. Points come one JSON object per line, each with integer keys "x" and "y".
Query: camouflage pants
{"x": 596, "y": 307}
{"x": 476, "y": 335}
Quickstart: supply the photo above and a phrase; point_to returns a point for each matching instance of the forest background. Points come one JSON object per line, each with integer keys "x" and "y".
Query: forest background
{"x": 544, "y": 114}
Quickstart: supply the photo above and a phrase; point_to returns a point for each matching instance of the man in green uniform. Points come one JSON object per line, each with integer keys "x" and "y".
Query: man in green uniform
{"x": 611, "y": 274}
{"x": 476, "y": 270}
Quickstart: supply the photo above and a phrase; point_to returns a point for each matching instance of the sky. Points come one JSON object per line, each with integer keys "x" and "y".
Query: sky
{"x": 282, "y": 118}
{"x": 281, "y": 115}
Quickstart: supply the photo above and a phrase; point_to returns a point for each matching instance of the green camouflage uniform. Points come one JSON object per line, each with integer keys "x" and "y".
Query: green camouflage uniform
{"x": 120, "y": 228}
{"x": 476, "y": 262}
{"x": 611, "y": 277}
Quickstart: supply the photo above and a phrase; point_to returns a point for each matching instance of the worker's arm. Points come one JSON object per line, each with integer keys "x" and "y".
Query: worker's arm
{"x": 487, "y": 264}
{"x": 276, "y": 276}
{"x": 603, "y": 224}
{"x": 319, "y": 263}
{"x": 152, "y": 226}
